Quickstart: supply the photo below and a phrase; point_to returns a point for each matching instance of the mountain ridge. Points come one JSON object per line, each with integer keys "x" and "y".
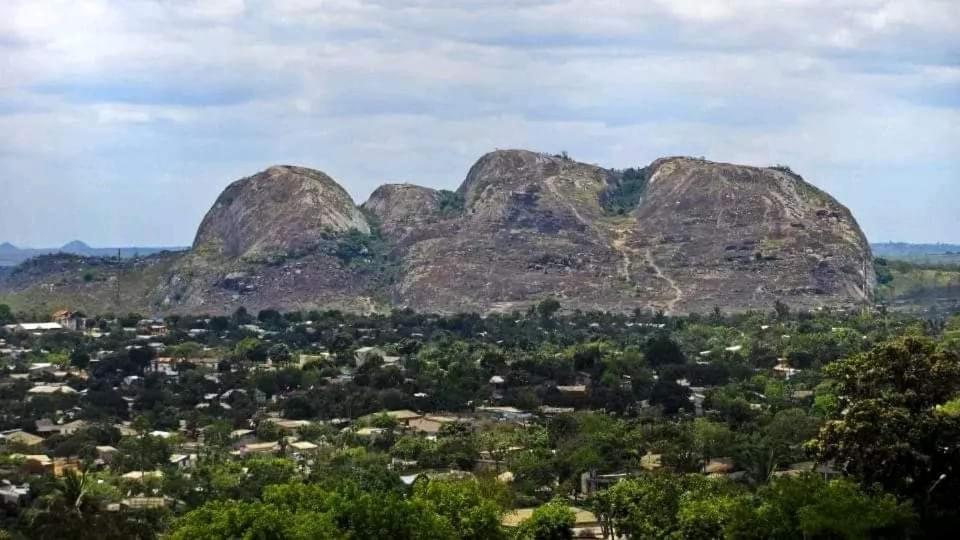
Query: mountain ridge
{"x": 685, "y": 235}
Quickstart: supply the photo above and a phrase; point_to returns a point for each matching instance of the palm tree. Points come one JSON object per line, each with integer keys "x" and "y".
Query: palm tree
{"x": 72, "y": 489}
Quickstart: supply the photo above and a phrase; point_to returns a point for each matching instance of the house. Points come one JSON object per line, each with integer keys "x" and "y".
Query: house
{"x": 260, "y": 448}
{"x": 183, "y": 461}
{"x": 106, "y": 453}
{"x": 586, "y": 524}
{"x": 404, "y": 416}
{"x": 651, "y": 462}
{"x": 242, "y": 437}
{"x": 63, "y": 465}
{"x": 18, "y": 436}
{"x": 365, "y": 354}
{"x": 547, "y": 410}
{"x": 289, "y": 426}
{"x": 36, "y": 328}
{"x": 504, "y": 413}
{"x": 47, "y": 427}
{"x": 35, "y": 463}
{"x": 140, "y": 476}
{"x": 719, "y": 467}
{"x": 49, "y": 389}
{"x": 304, "y": 446}
{"x": 784, "y": 370}
{"x": 41, "y": 369}
{"x": 576, "y": 390}
{"x": 308, "y": 358}
{"x": 370, "y": 432}
{"x": 155, "y": 329}
{"x": 824, "y": 470}
{"x": 14, "y": 495}
{"x": 125, "y": 430}
{"x": 591, "y": 482}
{"x": 430, "y": 425}
{"x": 70, "y": 320}
{"x": 145, "y": 503}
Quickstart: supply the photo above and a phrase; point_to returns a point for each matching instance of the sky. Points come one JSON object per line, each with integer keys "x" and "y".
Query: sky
{"x": 121, "y": 121}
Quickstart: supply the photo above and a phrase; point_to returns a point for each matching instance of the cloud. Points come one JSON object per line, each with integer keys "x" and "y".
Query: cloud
{"x": 112, "y": 111}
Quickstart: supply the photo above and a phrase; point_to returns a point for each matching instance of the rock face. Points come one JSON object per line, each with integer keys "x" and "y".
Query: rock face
{"x": 727, "y": 235}
{"x": 523, "y": 226}
{"x": 281, "y": 210}
{"x": 403, "y": 208}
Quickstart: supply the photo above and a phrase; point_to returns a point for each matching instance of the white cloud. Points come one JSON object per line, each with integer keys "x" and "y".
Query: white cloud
{"x": 188, "y": 95}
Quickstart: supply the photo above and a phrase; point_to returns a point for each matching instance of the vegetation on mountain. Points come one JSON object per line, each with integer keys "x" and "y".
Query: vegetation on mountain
{"x": 624, "y": 195}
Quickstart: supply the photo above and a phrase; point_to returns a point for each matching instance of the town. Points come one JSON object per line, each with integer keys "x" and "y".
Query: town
{"x": 604, "y": 425}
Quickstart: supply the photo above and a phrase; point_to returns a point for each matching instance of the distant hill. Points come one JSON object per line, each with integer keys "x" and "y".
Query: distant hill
{"x": 918, "y": 253}
{"x": 11, "y": 255}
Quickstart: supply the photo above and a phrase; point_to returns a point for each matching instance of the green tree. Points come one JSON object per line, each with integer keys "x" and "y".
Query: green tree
{"x": 552, "y": 521}
{"x": 889, "y": 428}
{"x": 251, "y": 349}
{"x": 461, "y": 502}
{"x": 810, "y": 507}
{"x": 548, "y": 308}
{"x": 6, "y": 315}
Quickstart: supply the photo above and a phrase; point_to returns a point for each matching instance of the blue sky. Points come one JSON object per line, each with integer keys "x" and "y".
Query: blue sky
{"x": 121, "y": 121}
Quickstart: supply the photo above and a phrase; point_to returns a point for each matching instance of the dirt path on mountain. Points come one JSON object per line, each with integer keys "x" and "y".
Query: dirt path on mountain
{"x": 678, "y": 293}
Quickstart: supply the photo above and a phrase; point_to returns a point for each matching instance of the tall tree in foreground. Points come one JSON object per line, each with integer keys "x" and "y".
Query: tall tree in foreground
{"x": 891, "y": 426}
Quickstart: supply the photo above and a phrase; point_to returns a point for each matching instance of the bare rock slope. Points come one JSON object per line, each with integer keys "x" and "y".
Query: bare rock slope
{"x": 280, "y": 210}
{"x": 681, "y": 235}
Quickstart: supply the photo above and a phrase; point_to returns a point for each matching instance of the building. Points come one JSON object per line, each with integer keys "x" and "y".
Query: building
{"x": 49, "y": 390}
{"x": 365, "y": 354}
{"x": 70, "y": 320}
{"x": 404, "y": 416}
{"x": 586, "y": 524}
{"x": 35, "y": 328}
{"x": 140, "y": 476}
{"x": 18, "y": 436}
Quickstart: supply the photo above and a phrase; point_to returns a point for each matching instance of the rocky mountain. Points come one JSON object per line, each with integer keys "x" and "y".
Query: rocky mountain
{"x": 680, "y": 235}
{"x": 279, "y": 211}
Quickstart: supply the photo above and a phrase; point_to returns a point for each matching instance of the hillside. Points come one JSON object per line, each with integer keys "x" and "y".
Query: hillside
{"x": 680, "y": 235}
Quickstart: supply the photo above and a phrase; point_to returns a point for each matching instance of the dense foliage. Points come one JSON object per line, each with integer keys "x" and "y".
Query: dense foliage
{"x": 754, "y": 425}
{"x": 625, "y": 194}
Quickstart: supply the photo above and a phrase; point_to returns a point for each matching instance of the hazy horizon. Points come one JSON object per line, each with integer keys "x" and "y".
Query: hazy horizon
{"x": 121, "y": 122}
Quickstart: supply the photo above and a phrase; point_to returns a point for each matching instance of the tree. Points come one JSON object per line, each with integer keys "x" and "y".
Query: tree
{"x": 251, "y": 349}
{"x": 661, "y": 351}
{"x": 548, "y": 308}
{"x": 782, "y": 310}
{"x": 552, "y": 521}
{"x": 79, "y": 359}
{"x": 461, "y": 502}
{"x": 6, "y": 315}
{"x": 890, "y": 427}
{"x": 810, "y": 507}
{"x": 670, "y": 395}
{"x": 185, "y": 351}
{"x": 280, "y": 353}
{"x": 642, "y": 507}
{"x": 777, "y": 442}
{"x": 712, "y": 439}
